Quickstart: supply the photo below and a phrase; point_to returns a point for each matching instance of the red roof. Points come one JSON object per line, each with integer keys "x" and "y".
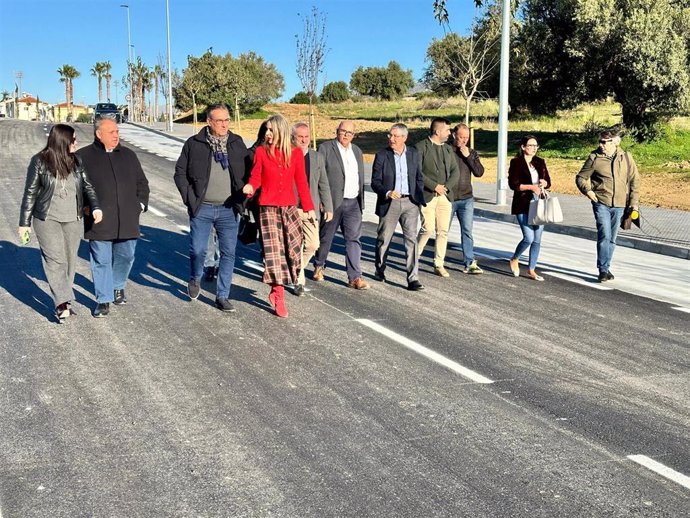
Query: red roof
{"x": 27, "y": 99}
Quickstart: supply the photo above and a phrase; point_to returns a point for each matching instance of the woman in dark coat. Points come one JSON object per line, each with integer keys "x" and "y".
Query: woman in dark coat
{"x": 527, "y": 177}
{"x": 56, "y": 186}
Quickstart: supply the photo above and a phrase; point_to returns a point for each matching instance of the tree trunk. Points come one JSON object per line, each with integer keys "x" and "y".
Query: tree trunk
{"x": 100, "y": 89}
{"x": 237, "y": 112}
{"x": 194, "y": 109}
{"x": 155, "y": 106}
{"x": 312, "y": 125}
{"x": 107, "y": 88}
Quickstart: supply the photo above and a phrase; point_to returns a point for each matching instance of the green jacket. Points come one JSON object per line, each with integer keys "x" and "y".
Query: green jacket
{"x": 446, "y": 173}
{"x": 611, "y": 179}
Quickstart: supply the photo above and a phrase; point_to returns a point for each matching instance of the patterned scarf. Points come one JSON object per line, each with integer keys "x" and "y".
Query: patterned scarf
{"x": 219, "y": 147}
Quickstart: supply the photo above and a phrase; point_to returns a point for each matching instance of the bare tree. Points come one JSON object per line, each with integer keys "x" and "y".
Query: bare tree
{"x": 462, "y": 63}
{"x": 311, "y": 56}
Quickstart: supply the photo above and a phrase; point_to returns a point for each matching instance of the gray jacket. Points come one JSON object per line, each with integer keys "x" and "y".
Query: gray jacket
{"x": 319, "y": 188}
{"x": 335, "y": 170}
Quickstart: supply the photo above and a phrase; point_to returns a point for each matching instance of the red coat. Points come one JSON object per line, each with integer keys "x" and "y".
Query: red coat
{"x": 278, "y": 182}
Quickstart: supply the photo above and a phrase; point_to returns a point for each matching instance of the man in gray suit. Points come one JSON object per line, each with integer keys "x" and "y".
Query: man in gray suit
{"x": 345, "y": 170}
{"x": 397, "y": 180}
{"x": 320, "y": 195}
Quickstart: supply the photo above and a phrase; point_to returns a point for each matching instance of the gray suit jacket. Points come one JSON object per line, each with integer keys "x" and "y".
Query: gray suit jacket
{"x": 319, "y": 188}
{"x": 336, "y": 171}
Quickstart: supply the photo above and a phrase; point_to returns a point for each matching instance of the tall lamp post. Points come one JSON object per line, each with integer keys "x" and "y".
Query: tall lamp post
{"x": 170, "y": 100}
{"x": 501, "y": 180}
{"x": 129, "y": 62}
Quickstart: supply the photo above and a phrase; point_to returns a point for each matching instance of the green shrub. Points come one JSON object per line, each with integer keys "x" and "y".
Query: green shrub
{"x": 84, "y": 117}
{"x": 335, "y": 92}
{"x": 300, "y": 98}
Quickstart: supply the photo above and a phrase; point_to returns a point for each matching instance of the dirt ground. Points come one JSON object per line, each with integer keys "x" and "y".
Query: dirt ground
{"x": 668, "y": 190}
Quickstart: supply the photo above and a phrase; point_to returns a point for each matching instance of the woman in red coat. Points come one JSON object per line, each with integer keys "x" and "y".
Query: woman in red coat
{"x": 278, "y": 169}
{"x": 527, "y": 176}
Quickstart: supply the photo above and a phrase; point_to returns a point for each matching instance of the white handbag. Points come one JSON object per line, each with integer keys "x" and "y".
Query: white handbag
{"x": 545, "y": 209}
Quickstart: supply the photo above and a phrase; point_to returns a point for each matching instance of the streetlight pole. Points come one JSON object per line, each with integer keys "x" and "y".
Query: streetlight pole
{"x": 170, "y": 100}
{"x": 501, "y": 180}
{"x": 129, "y": 62}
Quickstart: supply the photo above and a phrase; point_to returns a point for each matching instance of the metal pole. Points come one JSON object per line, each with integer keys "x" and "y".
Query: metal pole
{"x": 129, "y": 62}
{"x": 170, "y": 99}
{"x": 501, "y": 180}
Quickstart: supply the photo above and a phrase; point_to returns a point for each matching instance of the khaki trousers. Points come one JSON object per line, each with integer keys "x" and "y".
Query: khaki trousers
{"x": 435, "y": 218}
{"x": 310, "y": 242}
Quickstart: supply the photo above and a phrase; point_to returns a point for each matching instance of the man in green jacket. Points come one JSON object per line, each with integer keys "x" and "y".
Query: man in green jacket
{"x": 441, "y": 173}
{"x": 609, "y": 177}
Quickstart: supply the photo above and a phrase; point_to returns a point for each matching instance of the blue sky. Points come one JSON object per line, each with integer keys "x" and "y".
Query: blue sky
{"x": 38, "y": 36}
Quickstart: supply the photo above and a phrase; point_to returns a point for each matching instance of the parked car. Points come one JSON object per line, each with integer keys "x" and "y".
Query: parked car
{"x": 107, "y": 110}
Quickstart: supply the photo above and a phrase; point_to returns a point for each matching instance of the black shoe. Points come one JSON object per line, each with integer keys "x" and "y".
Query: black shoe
{"x": 379, "y": 276}
{"x": 298, "y": 290}
{"x": 120, "y": 297}
{"x": 209, "y": 273}
{"x": 62, "y": 312}
{"x": 415, "y": 286}
{"x": 603, "y": 276}
{"x": 101, "y": 310}
{"x": 225, "y": 305}
{"x": 193, "y": 289}
{"x": 609, "y": 276}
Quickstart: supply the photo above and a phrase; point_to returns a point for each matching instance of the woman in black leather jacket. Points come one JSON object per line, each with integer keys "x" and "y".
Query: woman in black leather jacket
{"x": 56, "y": 186}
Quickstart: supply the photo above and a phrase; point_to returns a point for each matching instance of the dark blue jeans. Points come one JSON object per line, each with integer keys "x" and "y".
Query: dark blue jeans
{"x": 111, "y": 262}
{"x": 608, "y": 221}
{"x": 531, "y": 238}
{"x": 226, "y": 223}
{"x": 464, "y": 210}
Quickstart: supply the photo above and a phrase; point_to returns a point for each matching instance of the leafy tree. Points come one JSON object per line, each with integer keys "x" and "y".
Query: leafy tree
{"x": 335, "y": 92}
{"x": 300, "y": 98}
{"x": 383, "y": 83}
{"x": 246, "y": 83}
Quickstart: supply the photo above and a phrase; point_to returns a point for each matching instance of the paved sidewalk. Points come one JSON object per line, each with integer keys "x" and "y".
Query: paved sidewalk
{"x": 663, "y": 231}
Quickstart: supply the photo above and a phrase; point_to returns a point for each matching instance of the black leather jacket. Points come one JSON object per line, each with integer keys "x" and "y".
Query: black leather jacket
{"x": 39, "y": 188}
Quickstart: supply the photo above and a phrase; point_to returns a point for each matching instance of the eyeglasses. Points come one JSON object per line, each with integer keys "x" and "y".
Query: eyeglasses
{"x": 606, "y": 141}
{"x": 225, "y": 121}
{"x": 346, "y": 133}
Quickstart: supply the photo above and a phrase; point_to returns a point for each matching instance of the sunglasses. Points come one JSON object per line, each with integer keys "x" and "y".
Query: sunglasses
{"x": 605, "y": 141}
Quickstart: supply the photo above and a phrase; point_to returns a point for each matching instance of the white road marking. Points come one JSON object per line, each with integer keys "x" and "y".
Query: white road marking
{"x": 681, "y": 308}
{"x": 156, "y": 212}
{"x": 424, "y": 351}
{"x": 662, "y": 470}
{"x": 184, "y": 228}
{"x": 253, "y": 265}
{"x": 577, "y": 280}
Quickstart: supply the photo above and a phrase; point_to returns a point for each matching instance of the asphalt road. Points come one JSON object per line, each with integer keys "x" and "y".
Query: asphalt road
{"x": 357, "y": 405}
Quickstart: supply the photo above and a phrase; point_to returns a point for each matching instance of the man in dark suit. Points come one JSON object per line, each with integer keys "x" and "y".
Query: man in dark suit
{"x": 345, "y": 170}
{"x": 397, "y": 180}
{"x": 320, "y": 194}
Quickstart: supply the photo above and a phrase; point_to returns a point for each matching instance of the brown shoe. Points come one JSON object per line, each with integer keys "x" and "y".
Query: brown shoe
{"x": 318, "y": 274}
{"x": 441, "y": 271}
{"x": 358, "y": 284}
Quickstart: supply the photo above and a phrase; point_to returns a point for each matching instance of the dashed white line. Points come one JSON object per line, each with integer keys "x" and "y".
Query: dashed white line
{"x": 681, "y": 308}
{"x": 156, "y": 212}
{"x": 253, "y": 265}
{"x": 426, "y": 352}
{"x": 662, "y": 470}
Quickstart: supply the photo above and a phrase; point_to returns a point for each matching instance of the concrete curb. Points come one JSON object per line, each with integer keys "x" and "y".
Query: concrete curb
{"x": 157, "y": 131}
{"x": 586, "y": 233}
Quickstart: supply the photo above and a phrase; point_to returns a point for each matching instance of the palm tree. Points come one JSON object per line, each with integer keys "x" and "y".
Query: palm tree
{"x": 140, "y": 74}
{"x": 97, "y": 71}
{"x": 67, "y": 74}
{"x": 108, "y": 76}
{"x": 157, "y": 75}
